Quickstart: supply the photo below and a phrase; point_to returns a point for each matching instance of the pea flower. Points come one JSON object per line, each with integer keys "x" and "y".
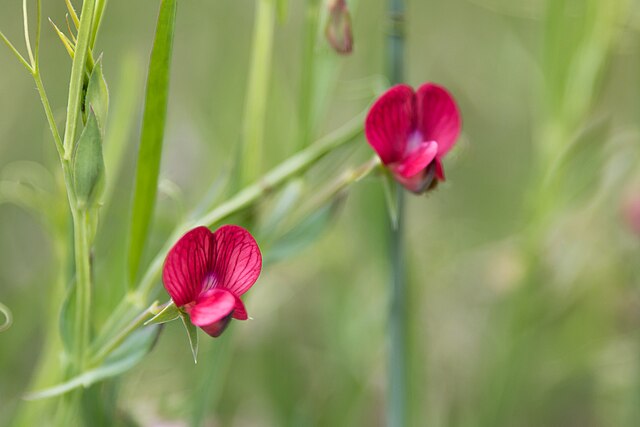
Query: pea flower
{"x": 412, "y": 132}
{"x": 205, "y": 274}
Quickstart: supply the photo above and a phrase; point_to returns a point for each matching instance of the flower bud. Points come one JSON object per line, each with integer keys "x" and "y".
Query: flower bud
{"x": 338, "y": 29}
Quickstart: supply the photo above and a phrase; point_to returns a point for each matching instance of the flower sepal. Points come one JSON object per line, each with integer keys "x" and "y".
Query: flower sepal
{"x": 163, "y": 313}
{"x": 192, "y": 334}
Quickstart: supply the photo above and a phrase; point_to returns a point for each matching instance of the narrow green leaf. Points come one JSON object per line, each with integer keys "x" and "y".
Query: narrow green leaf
{"x": 153, "y": 127}
{"x": 192, "y": 334}
{"x": 125, "y": 357}
{"x": 167, "y": 314}
{"x": 77, "y": 77}
{"x": 88, "y": 164}
{"x": 98, "y": 95}
{"x": 68, "y": 45}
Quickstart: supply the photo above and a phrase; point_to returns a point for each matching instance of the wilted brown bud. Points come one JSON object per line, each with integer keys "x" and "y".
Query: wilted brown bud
{"x": 338, "y": 30}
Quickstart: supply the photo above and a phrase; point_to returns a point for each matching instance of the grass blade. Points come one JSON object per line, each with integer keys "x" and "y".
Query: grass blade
{"x": 152, "y": 135}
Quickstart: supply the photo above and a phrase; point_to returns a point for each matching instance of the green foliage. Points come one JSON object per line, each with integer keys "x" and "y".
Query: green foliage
{"x": 97, "y": 97}
{"x": 88, "y": 165}
{"x": 152, "y": 135}
{"x": 125, "y": 357}
{"x": 169, "y": 313}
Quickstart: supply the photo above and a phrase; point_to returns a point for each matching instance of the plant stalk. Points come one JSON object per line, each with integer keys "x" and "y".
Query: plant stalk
{"x": 398, "y": 320}
{"x": 251, "y": 155}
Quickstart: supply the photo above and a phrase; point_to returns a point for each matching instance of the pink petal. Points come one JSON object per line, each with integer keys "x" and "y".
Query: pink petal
{"x": 417, "y": 160}
{"x": 236, "y": 260}
{"x": 210, "y": 307}
{"x": 439, "y": 170}
{"x": 421, "y": 182}
{"x": 186, "y": 265}
{"x": 438, "y": 116}
{"x": 239, "y": 311}
{"x": 390, "y": 123}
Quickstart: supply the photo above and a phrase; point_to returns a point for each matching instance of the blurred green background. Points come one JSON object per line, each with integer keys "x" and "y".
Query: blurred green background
{"x": 525, "y": 289}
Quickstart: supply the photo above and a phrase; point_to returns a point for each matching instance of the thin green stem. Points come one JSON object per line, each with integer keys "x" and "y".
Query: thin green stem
{"x": 99, "y": 357}
{"x": 257, "y": 92}
{"x": 36, "y": 65}
{"x": 77, "y": 76}
{"x": 49, "y": 113}
{"x": 307, "y": 84}
{"x": 398, "y": 318}
{"x": 16, "y": 53}
{"x": 25, "y": 17}
{"x": 83, "y": 285}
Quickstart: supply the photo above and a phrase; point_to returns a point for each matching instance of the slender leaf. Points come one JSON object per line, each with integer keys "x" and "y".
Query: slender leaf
{"x": 151, "y": 138}
{"x": 125, "y": 357}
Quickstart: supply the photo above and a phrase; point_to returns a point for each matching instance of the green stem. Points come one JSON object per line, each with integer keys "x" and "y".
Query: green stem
{"x": 307, "y": 84}
{"x": 398, "y": 320}
{"x": 83, "y": 285}
{"x": 49, "y": 114}
{"x": 25, "y": 18}
{"x": 17, "y": 54}
{"x": 257, "y": 91}
{"x": 99, "y": 357}
{"x": 77, "y": 76}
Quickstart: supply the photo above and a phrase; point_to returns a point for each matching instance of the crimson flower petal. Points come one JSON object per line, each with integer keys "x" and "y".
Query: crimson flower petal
{"x": 239, "y": 311}
{"x": 417, "y": 160}
{"x": 210, "y": 307}
{"x": 236, "y": 260}
{"x": 438, "y": 116}
{"x": 186, "y": 266}
{"x": 390, "y": 123}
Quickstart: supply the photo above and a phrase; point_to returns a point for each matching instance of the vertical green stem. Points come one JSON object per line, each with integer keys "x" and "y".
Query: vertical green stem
{"x": 398, "y": 328}
{"x": 83, "y": 285}
{"x": 257, "y": 91}
{"x": 307, "y": 83}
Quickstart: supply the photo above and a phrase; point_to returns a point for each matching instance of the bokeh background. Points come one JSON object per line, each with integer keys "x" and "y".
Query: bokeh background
{"x": 521, "y": 315}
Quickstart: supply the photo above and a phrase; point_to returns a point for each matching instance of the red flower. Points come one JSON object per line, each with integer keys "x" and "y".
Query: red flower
{"x": 206, "y": 273}
{"x": 413, "y": 131}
